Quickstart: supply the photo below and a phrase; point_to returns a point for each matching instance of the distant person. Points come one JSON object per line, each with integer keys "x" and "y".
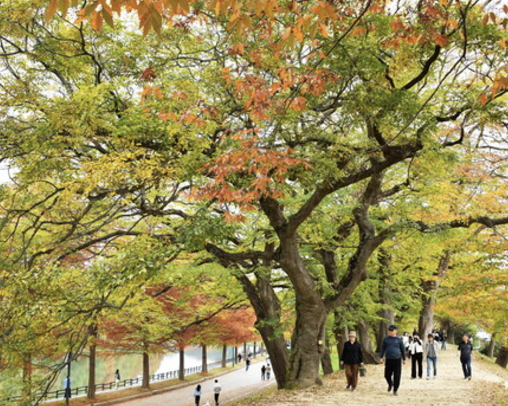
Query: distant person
{"x": 216, "y": 391}
{"x": 263, "y": 373}
{"x": 197, "y": 395}
{"x": 431, "y": 350}
{"x": 268, "y": 371}
{"x": 406, "y": 339}
{"x": 444, "y": 336}
{"x": 416, "y": 354}
{"x": 117, "y": 378}
{"x": 352, "y": 358}
{"x": 239, "y": 358}
{"x": 67, "y": 387}
{"x": 465, "y": 350}
{"x": 393, "y": 356}
{"x": 247, "y": 363}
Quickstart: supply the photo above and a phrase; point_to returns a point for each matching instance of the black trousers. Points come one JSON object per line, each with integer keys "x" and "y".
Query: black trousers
{"x": 216, "y": 397}
{"x": 393, "y": 369}
{"x": 416, "y": 359}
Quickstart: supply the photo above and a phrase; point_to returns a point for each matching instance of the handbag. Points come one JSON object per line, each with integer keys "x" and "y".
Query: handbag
{"x": 363, "y": 371}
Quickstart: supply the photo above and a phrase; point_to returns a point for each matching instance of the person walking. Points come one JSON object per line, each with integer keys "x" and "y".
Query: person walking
{"x": 444, "y": 337}
{"x": 393, "y": 356}
{"x": 263, "y": 373}
{"x": 465, "y": 350}
{"x": 416, "y": 354}
{"x": 117, "y": 378}
{"x": 268, "y": 371}
{"x": 431, "y": 349}
{"x": 352, "y": 359}
{"x": 216, "y": 392}
{"x": 197, "y": 395}
{"x": 247, "y": 363}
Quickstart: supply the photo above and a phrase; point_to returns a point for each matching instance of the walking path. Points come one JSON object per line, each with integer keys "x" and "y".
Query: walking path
{"x": 489, "y": 384}
{"x": 235, "y": 385}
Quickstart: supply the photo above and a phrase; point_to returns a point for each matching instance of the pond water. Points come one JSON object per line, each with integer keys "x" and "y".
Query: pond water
{"x": 131, "y": 365}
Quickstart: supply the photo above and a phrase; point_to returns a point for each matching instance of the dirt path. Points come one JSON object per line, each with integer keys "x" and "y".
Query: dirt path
{"x": 487, "y": 387}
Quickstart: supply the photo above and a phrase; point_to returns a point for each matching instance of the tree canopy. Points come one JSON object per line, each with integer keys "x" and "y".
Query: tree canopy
{"x": 288, "y": 142}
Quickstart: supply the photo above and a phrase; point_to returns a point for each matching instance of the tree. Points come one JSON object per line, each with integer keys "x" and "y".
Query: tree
{"x": 318, "y": 110}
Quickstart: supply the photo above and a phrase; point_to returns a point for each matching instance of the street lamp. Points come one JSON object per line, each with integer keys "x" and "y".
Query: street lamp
{"x": 67, "y": 380}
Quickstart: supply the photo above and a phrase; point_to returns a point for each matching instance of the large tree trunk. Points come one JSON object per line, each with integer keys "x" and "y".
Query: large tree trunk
{"x": 90, "y": 393}
{"x": 307, "y": 345}
{"x": 326, "y": 359}
{"x": 146, "y": 370}
{"x": 312, "y": 304}
{"x": 430, "y": 288}
{"x": 369, "y": 355}
{"x": 204, "y": 360}
{"x": 502, "y": 357}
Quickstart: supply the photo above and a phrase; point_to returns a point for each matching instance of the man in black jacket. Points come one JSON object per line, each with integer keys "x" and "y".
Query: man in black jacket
{"x": 465, "y": 351}
{"x": 352, "y": 358}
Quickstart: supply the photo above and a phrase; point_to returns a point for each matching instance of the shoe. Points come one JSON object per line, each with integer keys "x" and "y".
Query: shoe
{"x": 348, "y": 387}
{"x": 428, "y": 378}
{"x": 468, "y": 378}
{"x": 389, "y": 387}
{"x": 353, "y": 389}
{"x": 395, "y": 393}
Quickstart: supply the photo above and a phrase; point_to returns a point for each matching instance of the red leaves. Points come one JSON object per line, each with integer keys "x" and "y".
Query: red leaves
{"x": 148, "y": 75}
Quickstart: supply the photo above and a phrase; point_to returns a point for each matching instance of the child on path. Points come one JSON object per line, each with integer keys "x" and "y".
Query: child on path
{"x": 197, "y": 395}
{"x": 268, "y": 371}
{"x": 432, "y": 349}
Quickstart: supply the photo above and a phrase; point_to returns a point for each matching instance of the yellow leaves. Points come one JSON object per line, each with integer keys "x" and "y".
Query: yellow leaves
{"x": 503, "y": 42}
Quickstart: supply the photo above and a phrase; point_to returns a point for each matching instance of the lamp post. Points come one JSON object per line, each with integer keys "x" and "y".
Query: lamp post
{"x": 67, "y": 381}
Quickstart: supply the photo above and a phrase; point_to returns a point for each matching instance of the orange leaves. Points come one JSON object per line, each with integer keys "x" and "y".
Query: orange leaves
{"x": 248, "y": 172}
{"x": 51, "y": 9}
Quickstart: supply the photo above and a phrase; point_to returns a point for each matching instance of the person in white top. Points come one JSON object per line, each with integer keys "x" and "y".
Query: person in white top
{"x": 416, "y": 354}
{"x": 216, "y": 391}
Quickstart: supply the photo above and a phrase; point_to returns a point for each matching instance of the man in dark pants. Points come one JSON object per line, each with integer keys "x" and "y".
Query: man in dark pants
{"x": 465, "y": 350}
{"x": 392, "y": 353}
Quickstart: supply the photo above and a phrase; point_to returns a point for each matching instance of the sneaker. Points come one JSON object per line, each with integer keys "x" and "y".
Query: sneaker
{"x": 353, "y": 389}
{"x": 428, "y": 378}
{"x": 347, "y": 387}
{"x": 468, "y": 378}
{"x": 389, "y": 387}
{"x": 395, "y": 393}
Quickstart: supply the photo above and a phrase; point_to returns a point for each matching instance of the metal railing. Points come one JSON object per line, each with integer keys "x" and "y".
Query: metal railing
{"x": 101, "y": 387}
